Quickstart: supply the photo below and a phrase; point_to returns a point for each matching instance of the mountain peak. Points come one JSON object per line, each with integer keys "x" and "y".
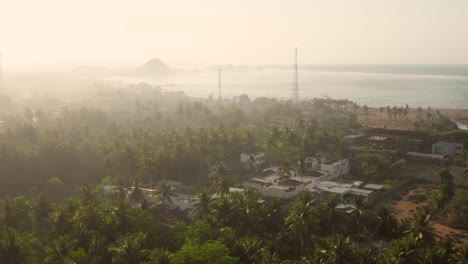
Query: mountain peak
{"x": 154, "y": 67}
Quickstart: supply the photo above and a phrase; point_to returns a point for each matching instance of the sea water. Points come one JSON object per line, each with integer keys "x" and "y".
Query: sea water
{"x": 436, "y": 86}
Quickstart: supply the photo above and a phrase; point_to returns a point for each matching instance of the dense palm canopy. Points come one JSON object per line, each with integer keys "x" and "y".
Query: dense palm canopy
{"x": 192, "y": 141}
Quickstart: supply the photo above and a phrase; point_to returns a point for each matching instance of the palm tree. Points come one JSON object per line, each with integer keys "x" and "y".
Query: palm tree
{"x": 160, "y": 256}
{"x": 387, "y": 225}
{"x": 128, "y": 250}
{"x": 219, "y": 175}
{"x": 331, "y": 214}
{"x": 60, "y": 249}
{"x": 137, "y": 194}
{"x": 164, "y": 193}
{"x": 248, "y": 249}
{"x": 42, "y": 209}
{"x": 299, "y": 224}
{"x": 284, "y": 170}
{"x": 8, "y": 213}
{"x": 422, "y": 227}
{"x": 337, "y": 250}
{"x": 87, "y": 194}
{"x": 406, "y": 250}
{"x": 223, "y": 209}
{"x": 360, "y": 212}
{"x": 202, "y": 203}
{"x": 14, "y": 248}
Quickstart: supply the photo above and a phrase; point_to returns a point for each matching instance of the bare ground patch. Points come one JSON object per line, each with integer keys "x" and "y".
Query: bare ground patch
{"x": 416, "y": 195}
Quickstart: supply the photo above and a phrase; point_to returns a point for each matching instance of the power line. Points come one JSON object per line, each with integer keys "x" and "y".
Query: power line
{"x": 219, "y": 83}
{"x": 2, "y": 88}
{"x": 296, "y": 79}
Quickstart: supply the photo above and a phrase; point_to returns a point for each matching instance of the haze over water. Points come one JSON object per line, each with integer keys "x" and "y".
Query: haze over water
{"x": 437, "y": 86}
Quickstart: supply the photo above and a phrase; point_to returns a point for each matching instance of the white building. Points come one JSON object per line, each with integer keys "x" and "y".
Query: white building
{"x": 345, "y": 191}
{"x": 273, "y": 186}
{"x": 327, "y": 170}
{"x": 256, "y": 160}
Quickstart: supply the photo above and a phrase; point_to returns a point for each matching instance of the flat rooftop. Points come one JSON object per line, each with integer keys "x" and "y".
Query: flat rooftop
{"x": 338, "y": 190}
{"x": 330, "y": 184}
{"x": 353, "y": 136}
{"x": 315, "y": 173}
{"x": 375, "y": 187}
{"x": 290, "y": 182}
{"x": 442, "y": 144}
{"x": 261, "y": 182}
{"x": 361, "y": 192}
{"x": 304, "y": 179}
{"x": 425, "y": 155}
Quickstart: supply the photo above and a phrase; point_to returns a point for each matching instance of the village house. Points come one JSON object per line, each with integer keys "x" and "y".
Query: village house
{"x": 444, "y": 148}
{"x": 255, "y": 160}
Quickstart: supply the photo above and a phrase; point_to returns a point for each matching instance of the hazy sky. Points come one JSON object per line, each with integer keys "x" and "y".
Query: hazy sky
{"x": 236, "y": 31}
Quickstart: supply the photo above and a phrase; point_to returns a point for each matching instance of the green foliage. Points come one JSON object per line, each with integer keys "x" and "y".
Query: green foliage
{"x": 457, "y": 210}
{"x": 15, "y": 248}
{"x": 165, "y": 193}
{"x": 446, "y": 190}
{"x": 193, "y": 141}
{"x": 206, "y": 253}
{"x": 373, "y": 161}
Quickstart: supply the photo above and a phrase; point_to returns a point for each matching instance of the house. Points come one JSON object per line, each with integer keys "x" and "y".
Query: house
{"x": 327, "y": 170}
{"x": 436, "y": 159}
{"x": 255, "y": 160}
{"x": 444, "y": 148}
{"x": 355, "y": 140}
{"x": 335, "y": 168}
{"x": 345, "y": 191}
{"x": 373, "y": 187}
{"x": 273, "y": 185}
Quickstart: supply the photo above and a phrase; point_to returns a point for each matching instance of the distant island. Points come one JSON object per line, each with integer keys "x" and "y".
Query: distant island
{"x": 153, "y": 68}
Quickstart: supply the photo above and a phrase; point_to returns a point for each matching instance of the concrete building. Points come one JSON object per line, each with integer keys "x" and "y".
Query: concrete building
{"x": 326, "y": 170}
{"x": 430, "y": 158}
{"x": 444, "y": 148}
{"x": 257, "y": 160}
{"x": 403, "y": 140}
{"x": 344, "y": 191}
{"x": 272, "y": 185}
{"x": 355, "y": 140}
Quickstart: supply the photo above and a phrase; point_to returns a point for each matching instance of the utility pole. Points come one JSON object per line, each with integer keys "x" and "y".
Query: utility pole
{"x": 2, "y": 88}
{"x": 296, "y": 81}
{"x": 219, "y": 83}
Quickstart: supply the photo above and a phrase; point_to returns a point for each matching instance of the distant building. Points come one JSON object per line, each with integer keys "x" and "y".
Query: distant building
{"x": 355, "y": 140}
{"x": 444, "y": 148}
{"x": 272, "y": 185}
{"x": 326, "y": 170}
{"x": 403, "y": 140}
{"x": 256, "y": 160}
{"x": 436, "y": 159}
{"x": 286, "y": 120}
{"x": 345, "y": 191}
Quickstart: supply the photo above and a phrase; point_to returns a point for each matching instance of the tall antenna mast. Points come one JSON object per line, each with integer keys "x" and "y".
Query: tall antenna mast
{"x": 219, "y": 83}
{"x": 296, "y": 81}
{"x": 2, "y": 88}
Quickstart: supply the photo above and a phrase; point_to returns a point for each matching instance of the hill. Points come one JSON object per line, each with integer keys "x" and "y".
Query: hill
{"x": 154, "y": 68}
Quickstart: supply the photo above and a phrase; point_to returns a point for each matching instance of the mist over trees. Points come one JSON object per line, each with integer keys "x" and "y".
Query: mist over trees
{"x": 54, "y": 162}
